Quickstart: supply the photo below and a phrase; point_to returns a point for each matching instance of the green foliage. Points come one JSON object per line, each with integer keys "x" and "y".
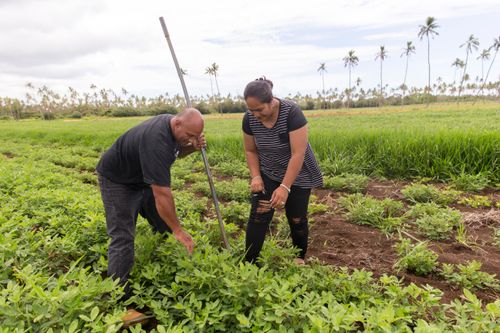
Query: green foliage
{"x": 476, "y": 201}
{"x": 316, "y": 207}
{"x": 346, "y": 182}
{"x": 496, "y": 237}
{"x": 416, "y": 259}
{"x": 472, "y": 315}
{"x": 235, "y": 212}
{"x": 383, "y": 214}
{"x": 470, "y": 183}
{"x": 236, "y": 189}
{"x": 434, "y": 221}
{"x": 469, "y": 276}
{"x": 429, "y": 193}
{"x": 53, "y": 240}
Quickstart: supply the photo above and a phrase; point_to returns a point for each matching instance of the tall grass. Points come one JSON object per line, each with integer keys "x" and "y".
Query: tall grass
{"x": 393, "y": 142}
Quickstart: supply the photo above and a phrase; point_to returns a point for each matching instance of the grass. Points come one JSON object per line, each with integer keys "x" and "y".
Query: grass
{"x": 441, "y": 141}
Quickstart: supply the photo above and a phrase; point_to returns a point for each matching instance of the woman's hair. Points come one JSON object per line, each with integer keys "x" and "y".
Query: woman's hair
{"x": 261, "y": 88}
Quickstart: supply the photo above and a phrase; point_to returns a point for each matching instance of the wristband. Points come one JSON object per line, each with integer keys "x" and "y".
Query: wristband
{"x": 285, "y": 187}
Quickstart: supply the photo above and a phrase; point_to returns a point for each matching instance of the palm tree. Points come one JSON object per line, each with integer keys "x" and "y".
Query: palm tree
{"x": 472, "y": 43}
{"x": 322, "y": 71}
{"x": 425, "y": 30}
{"x": 350, "y": 61}
{"x": 495, "y": 46}
{"x": 382, "y": 54}
{"x": 208, "y": 71}
{"x": 485, "y": 55}
{"x": 458, "y": 63}
{"x": 215, "y": 69}
{"x": 407, "y": 51}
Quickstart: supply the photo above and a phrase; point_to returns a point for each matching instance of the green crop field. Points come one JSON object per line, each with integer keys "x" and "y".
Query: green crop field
{"x": 53, "y": 239}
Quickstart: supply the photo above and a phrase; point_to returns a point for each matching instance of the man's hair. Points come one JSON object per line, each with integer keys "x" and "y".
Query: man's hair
{"x": 261, "y": 88}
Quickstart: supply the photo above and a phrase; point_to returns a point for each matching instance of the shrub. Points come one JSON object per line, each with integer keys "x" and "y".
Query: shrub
{"x": 346, "y": 182}
{"x": 367, "y": 210}
{"x": 470, "y": 183}
{"x": 469, "y": 276}
{"x": 416, "y": 259}
{"x": 428, "y": 193}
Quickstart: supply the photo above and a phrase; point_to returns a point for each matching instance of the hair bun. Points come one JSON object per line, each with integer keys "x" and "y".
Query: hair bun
{"x": 263, "y": 78}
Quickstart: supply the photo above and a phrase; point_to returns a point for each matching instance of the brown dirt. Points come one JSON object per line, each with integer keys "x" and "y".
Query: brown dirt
{"x": 8, "y": 155}
{"x": 337, "y": 242}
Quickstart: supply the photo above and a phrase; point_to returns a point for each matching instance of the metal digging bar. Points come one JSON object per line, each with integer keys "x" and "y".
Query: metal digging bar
{"x": 203, "y": 152}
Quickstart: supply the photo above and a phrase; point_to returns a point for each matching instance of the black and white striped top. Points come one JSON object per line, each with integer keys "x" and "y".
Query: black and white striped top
{"x": 273, "y": 145}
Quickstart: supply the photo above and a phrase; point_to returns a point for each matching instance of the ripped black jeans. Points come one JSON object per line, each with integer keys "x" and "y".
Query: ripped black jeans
{"x": 296, "y": 213}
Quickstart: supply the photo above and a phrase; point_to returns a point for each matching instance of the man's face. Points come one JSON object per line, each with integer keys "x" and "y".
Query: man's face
{"x": 187, "y": 135}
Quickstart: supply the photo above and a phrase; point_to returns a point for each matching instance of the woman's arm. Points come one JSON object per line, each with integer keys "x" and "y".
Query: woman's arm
{"x": 257, "y": 184}
{"x": 298, "y": 146}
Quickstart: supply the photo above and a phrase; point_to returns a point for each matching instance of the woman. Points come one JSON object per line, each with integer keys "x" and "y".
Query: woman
{"x": 282, "y": 166}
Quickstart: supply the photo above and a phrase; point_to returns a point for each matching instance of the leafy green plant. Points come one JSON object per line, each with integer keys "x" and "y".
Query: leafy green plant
{"x": 416, "y": 259}
{"x": 476, "y": 201}
{"x": 346, "y": 182}
{"x": 383, "y": 214}
{"x": 235, "y": 212}
{"x": 433, "y": 221}
{"x": 469, "y": 276}
{"x": 470, "y": 183}
{"x": 496, "y": 236}
{"x": 316, "y": 207}
{"x": 428, "y": 193}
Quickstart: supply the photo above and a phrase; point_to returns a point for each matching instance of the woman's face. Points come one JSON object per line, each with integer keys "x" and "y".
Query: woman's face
{"x": 259, "y": 110}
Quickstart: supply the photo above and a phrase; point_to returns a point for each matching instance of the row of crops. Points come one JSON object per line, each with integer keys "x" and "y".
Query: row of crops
{"x": 53, "y": 240}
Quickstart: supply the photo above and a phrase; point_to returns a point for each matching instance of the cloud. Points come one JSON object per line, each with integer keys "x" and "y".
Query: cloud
{"x": 120, "y": 44}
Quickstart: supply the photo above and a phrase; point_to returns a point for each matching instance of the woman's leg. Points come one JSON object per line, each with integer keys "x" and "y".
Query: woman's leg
{"x": 296, "y": 213}
{"x": 258, "y": 222}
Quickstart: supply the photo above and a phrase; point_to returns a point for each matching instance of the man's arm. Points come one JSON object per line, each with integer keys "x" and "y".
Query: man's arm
{"x": 165, "y": 206}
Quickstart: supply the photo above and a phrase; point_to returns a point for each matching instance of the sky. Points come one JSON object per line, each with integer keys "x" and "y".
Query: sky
{"x": 117, "y": 44}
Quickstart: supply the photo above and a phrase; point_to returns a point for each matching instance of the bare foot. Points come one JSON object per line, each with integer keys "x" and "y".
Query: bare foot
{"x": 133, "y": 317}
{"x": 299, "y": 261}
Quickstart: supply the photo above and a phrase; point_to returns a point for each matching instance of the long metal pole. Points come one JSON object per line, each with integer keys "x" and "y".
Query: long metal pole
{"x": 203, "y": 152}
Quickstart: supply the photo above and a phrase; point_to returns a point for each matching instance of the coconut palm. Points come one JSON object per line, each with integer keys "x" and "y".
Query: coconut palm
{"x": 407, "y": 51}
{"x": 208, "y": 71}
{"x": 350, "y": 61}
{"x": 485, "y": 55}
{"x": 382, "y": 54}
{"x": 429, "y": 29}
{"x": 322, "y": 71}
{"x": 495, "y": 47}
{"x": 472, "y": 43}
{"x": 215, "y": 69}
{"x": 458, "y": 63}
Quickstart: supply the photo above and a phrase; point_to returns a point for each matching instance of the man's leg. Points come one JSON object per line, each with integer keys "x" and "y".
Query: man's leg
{"x": 121, "y": 205}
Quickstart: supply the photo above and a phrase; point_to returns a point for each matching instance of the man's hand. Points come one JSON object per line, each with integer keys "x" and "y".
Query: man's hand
{"x": 200, "y": 142}
{"x": 182, "y": 236}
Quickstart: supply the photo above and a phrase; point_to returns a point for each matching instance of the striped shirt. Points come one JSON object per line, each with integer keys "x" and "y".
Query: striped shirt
{"x": 273, "y": 146}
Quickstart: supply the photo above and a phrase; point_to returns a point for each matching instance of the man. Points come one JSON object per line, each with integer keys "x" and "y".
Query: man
{"x": 134, "y": 178}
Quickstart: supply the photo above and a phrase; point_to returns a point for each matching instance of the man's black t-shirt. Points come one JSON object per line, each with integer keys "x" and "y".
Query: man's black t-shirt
{"x": 142, "y": 155}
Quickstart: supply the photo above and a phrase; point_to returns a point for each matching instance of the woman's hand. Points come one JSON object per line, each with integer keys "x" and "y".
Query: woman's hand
{"x": 257, "y": 185}
{"x": 279, "y": 197}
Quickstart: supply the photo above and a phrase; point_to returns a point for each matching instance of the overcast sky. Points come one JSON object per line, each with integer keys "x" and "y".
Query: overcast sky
{"x": 119, "y": 43}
